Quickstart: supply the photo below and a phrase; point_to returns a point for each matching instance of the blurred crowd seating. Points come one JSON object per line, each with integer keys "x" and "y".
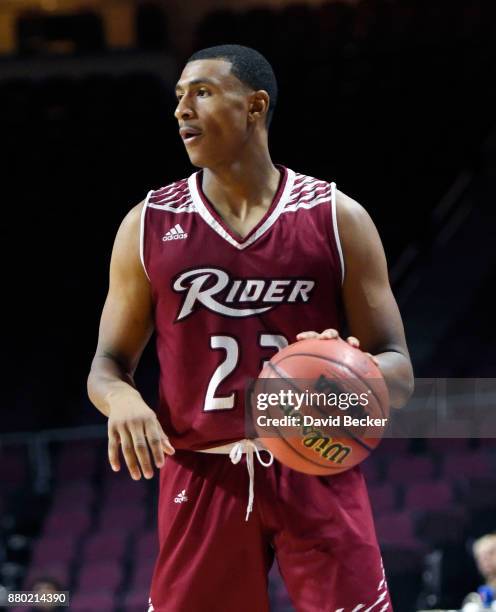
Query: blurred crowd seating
{"x": 95, "y": 531}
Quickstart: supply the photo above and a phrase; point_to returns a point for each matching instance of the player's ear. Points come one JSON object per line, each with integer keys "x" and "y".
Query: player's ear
{"x": 258, "y": 105}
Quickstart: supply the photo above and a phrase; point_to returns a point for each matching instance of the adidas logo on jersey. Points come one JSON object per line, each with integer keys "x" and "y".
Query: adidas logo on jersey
{"x": 176, "y": 233}
{"x": 181, "y": 497}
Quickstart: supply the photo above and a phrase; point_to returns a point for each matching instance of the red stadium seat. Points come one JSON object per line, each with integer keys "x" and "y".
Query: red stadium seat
{"x": 119, "y": 492}
{"x": 392, "y": 447}
{"x": 72, "y": 522}
{"x": 103, "y": 546}
{"x": 74, "y": 494}
{"x": 410, "y": 469}
{"x": 382, "y": 498}
{"x": 129, "y": 517}
{"x": 146, "y": 544}
{"x": 466, "y": 465}
{"x": 397, "y": 529}
{"x": 428, "y": 496}
{"x": 86, "y": 602}
{"x": 57, "y": 548}
{"x": 446, "y": 445}
{"x": 100, "y": 577}
{"x": 371, "y": 471}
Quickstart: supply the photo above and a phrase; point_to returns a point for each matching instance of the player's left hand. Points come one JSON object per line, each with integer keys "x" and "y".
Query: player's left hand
{"x": 329, "y": 334}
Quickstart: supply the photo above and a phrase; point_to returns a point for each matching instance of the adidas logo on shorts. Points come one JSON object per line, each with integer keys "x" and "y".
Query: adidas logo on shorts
{"x": 181, "y": 497}
{"x": 175, "y": 233}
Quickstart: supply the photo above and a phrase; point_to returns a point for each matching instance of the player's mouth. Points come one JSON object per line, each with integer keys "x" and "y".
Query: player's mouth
{"x": 190, "y": 135}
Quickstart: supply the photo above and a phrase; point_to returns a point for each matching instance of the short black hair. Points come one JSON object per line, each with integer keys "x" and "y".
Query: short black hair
{"x": 249, "y": 66}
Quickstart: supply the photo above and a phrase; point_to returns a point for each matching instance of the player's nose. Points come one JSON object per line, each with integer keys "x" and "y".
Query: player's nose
{"x": 183, "y": 110}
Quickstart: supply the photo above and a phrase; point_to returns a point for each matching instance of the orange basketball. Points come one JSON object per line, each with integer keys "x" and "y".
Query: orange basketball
{"x": 342, "y": 412}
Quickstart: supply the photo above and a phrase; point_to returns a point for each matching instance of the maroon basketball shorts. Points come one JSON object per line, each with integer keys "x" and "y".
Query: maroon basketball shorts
{"x": 319, "y": 528}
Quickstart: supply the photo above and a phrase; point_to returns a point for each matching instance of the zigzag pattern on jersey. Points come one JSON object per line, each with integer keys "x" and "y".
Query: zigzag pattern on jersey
{"x": 175, "y": 198}
{"x": 307, "y": 192}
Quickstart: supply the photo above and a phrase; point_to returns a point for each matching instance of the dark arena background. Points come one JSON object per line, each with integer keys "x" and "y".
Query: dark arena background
{"x": 393, "y": 99}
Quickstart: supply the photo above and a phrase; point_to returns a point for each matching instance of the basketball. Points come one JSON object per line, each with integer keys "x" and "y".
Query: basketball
{"x": 339, "y": 407}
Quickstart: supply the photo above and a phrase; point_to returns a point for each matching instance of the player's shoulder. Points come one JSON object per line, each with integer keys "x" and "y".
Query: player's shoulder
{"x": 356, "y": 228}
{"x": 304, "y": 184}
{"x": 349, "y": 211}
{"x": 353, "y": 220}
{"x": 306, "y": 188}
{"x": 175, "y": 192}
{"x": 163, "y": 197}
{"x": 167, "y": 197}
{"x": 132, "y": 220}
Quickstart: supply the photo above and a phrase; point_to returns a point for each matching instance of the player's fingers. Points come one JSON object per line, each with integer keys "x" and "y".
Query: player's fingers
{"x": 140, "y": 444}
{"x": 374, "y": 359}
{"x": 353, "y": 341}
{"x": 129, "y": 454}
{"x": 307, "y": 335}
{"x": 166, "y": 445}
{"x": 113, "y": 450}
{"x": 154, "y": 438}
{"x": 329, "y": 334}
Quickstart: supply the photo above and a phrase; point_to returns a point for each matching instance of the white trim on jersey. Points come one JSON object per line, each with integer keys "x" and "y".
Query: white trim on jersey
{"x": 170, "y": 190}
{"x": 306, "y": 204}
{"x": 336, "y": 230}
{"x": 307, "y": 187}
{"x": 184, "y": 207}
{"x": 142, "y": 231}
{"x": 206, "y": 215}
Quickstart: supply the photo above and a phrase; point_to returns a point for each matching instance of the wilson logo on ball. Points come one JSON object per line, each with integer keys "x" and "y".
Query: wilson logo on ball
{"x": 313, "y": 438}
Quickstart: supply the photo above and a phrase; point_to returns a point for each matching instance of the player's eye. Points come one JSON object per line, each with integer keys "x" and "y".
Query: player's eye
{"x": 179, "y": 96}
{"x": 203, "y": 93}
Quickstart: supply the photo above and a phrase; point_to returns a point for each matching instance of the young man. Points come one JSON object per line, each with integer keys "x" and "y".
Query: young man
{"x": 228, "y": 266}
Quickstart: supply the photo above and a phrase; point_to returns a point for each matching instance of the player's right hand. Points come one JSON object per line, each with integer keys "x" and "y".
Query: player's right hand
{"x": 134, "y": 427}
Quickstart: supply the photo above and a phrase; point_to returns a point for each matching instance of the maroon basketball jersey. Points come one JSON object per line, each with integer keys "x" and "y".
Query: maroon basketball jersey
{"x": 224, "y": 304}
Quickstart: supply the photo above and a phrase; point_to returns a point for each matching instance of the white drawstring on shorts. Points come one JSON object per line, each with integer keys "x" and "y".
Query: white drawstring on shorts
{"x": 236, "y": 450}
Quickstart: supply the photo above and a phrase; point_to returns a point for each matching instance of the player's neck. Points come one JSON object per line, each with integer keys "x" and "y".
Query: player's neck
{"x": 241, "y": 185}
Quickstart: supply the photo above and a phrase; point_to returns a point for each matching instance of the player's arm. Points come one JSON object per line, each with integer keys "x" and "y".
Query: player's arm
{"x": 371, "y": 310}
{"x": 125, "y": 328}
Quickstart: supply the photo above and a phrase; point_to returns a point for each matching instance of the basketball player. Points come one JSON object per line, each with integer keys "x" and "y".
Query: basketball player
{"x": 227, "y": 266}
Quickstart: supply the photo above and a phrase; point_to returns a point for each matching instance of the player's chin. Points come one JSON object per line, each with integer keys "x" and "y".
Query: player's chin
{"x": 197, "y": 158}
